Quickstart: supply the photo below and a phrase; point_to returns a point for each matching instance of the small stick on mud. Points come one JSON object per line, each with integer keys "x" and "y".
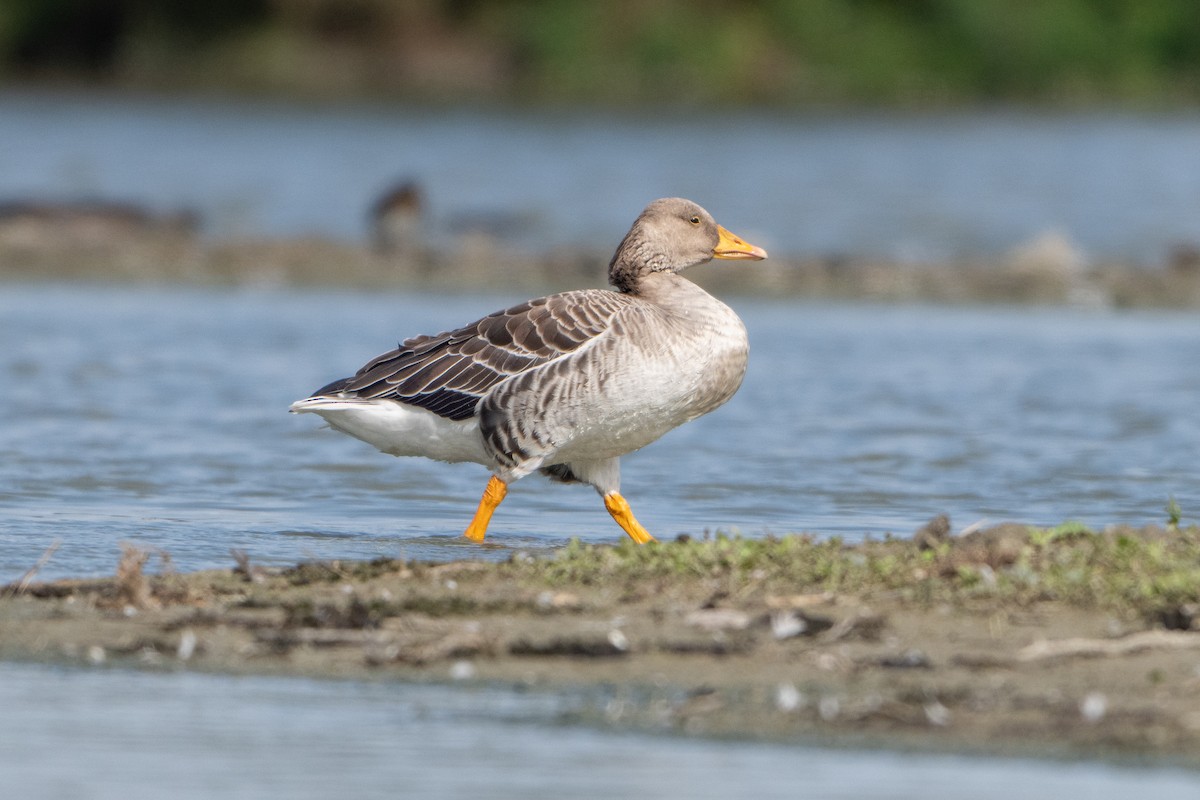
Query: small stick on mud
{"x": 21, "y": 586}
{"x": 253, "y": 573}
{"x": 1044, "y": 650}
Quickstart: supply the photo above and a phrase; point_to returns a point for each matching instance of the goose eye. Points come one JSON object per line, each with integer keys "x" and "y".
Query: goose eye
{"x": 694, "y": 220}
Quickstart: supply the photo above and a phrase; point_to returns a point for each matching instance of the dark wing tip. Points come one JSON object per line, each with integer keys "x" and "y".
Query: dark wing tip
{"x": 332, "y": 388}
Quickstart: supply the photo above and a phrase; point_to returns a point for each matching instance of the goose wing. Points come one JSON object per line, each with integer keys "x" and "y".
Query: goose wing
{"x": 449, "y": 372}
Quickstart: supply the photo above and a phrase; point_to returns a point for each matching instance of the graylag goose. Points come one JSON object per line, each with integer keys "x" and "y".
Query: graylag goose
{"x": 564, "y": 384}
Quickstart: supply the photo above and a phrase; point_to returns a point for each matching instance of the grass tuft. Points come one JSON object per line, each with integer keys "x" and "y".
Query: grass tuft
{"x": 1122, "y": 569}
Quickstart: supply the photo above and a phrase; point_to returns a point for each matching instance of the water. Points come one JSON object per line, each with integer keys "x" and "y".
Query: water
{"x": 158, "y": 416}
{"x": 112, "y": 734}
{"x": 922, "y": 187}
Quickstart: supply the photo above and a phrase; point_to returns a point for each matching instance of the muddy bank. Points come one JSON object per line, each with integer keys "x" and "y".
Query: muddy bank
{"x": 133, "y": 246}
{"x": 1006, "y": 640}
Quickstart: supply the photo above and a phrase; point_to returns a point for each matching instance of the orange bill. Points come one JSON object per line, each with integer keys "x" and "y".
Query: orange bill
{"x": 734, "y": 247}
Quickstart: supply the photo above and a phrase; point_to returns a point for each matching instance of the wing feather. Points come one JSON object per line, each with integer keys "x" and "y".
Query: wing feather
{"x": 449, "y": 372}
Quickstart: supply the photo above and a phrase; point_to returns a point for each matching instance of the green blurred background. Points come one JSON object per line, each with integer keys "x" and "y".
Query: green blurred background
{"x": 682, "y": 53}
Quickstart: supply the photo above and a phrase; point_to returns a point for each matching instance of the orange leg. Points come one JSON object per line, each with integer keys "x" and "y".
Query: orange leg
{"x": 619, "y": 508}
{"x": 492, "y": 497}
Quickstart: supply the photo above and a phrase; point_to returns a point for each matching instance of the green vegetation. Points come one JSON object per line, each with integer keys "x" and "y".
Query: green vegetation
{"x": 1151, "y": 573}
{"x": 685, "y": 52}
{"x": 1174, "y": 513}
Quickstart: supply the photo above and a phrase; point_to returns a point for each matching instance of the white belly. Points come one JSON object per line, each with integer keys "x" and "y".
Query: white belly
{"x": 398, "y": 429}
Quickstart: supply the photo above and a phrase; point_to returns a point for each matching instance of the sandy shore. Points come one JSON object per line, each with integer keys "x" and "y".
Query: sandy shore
{"x": 1010, "y": 640}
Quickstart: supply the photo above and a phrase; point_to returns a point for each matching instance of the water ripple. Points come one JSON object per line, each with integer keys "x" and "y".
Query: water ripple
{"x": 159, "y": 416}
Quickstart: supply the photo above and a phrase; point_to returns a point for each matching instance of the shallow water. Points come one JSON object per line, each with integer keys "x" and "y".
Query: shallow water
{"x": 919, "y": 187}
{"x": 114, "y": 734}
{"x": 158, "y": 416}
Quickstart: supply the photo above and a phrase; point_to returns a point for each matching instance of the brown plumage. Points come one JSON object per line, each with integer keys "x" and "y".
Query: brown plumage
{"x": 566, "y": 383}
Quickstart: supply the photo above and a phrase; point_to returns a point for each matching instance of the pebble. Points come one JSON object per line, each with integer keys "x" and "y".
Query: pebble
{"x": 462, "y": 670}
{"x": 1093, "y": 707}
{"x": 187, "y": 645}
{"x": 618, "y": 640}
{"x": 787, "y": 624}
{"x": 937, "y": 714}
{"x": 788, "y": 697}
